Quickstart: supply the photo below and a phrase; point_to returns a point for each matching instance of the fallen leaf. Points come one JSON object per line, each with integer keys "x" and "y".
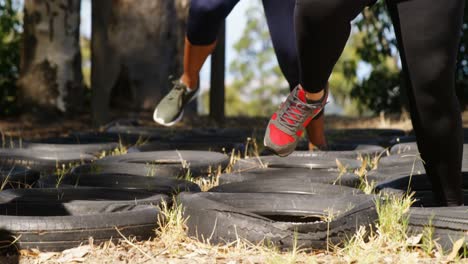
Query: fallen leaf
{"x": 74, "y": 254}
{"x": 456, "y": 248}
{"x": 47, "y": 255}
{"x": 414, "y": 240}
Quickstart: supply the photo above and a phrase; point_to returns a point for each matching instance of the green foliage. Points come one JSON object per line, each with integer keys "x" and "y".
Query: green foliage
{"x": 379, "y": 92}
{"x": 344, "y": 76}
{"x": 258, "y": 83}
{"x": 10, "y": 26}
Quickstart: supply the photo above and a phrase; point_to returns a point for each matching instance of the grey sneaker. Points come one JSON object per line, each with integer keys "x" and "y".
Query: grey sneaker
{"x": 171, "y": 108}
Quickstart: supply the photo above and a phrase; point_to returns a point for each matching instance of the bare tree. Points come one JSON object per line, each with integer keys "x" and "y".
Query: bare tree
{"x": 50, "y": 77}
{"x": 136, "y": 47}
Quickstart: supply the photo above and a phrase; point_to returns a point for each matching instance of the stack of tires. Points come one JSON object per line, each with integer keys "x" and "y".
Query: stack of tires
{"x": 104, "y": 199}
{"x": 308, "y": 198}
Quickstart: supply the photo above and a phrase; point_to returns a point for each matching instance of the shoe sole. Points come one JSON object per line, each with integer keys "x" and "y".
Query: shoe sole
{"x": 274, "y": 151}
{"x": 179, "y": 117}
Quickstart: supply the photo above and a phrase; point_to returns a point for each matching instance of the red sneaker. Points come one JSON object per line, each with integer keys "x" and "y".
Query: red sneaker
{"x": 287, "y": 124}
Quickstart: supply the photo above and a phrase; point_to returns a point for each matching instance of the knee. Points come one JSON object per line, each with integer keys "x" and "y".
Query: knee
{"x": 322, "y": 8}
{"x": 203, "y": 8}
{"x": 433, "y": 75}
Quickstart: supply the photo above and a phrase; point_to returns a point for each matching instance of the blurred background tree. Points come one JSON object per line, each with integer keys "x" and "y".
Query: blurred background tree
{"x": 365, "y": 81}
{"x": 380, "y": 91}
{"x": 256, "y": 84}
{"x": 10, "y": 36}
{"x": 51, "y": 78}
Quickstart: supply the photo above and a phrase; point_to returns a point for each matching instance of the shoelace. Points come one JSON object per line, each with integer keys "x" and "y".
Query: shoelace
{"x": 178, "y": 88}
{"x": 296, "y": 111}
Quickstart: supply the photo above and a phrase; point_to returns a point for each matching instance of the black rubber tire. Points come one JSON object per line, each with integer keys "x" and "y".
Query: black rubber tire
{"x": 199, "y": 162}
{"x": 449, "y": 224}
{"x": 291, "y": 174}
{"x": 411, "y": 148}
{"x": 161, "y": 185}
{"x": 130, "y": 169}
{"x": 381, "y": 137}
{"x": 276, "y": 218}
{"x": 348, "y": 151}
{"x": 190, "y": 144}
{"x": 248, "y": 164}
{"x": 417, "y": 182}
{"x": 89, "y": 145}
{"x": 282, "y": 185}
{"x": 403, "y": 164}
{"x": 57, "y": 219}
{"x": 402, "y": 140}
{"x": 125, "y": 139}
{"x": 43, "y": 161}
{"x": 308, "y": 162}
{"x": 150, "y": 133}
{"x": 384, "y": 174}
{"x": 17, "y": 177}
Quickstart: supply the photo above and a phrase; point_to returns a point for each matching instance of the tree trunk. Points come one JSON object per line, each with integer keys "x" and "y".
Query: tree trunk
{"x": 136, "y": 47}
{"x": 51, "y": 79}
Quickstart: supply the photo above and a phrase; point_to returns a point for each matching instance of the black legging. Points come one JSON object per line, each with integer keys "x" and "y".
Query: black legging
{"x": 428, "y": 33}
{"x": 206, "y": 16}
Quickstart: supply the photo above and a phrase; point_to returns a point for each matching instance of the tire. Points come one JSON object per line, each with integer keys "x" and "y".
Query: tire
{"x": 347, "y": 151}
{"x": 293, "y": 174}
{"x": 160, "y": 185}
{"x": 449, "y": 224}
{"x": 404, "y": 159}
{"x": 88, "y": 145}
{"x": 277, "y": 218}
{"x": 417, "y": 182}
{"x": 381, "y": 175}
{"x": 247, "y": 165}
{"x": 130, "y": 169}
{"x": 189, "y": 145}
{"x": 152, "y": 133}
{"x": 17, "y": 177}
{"x": 43, "y": 161}
{"x": 412, "y": 148}
{"x": 407, "y": 162}
{"x": 57, "y": 219}
{"x": 199, "y": 162}
{"x": 381, "y": 137}
{"x": 308, "y": 162}
{"x": 282, "y": 185}
{"x": 402, "y": 140}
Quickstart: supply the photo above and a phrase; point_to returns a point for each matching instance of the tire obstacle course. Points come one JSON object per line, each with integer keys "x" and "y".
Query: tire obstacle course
{"x": 311, "y": 198}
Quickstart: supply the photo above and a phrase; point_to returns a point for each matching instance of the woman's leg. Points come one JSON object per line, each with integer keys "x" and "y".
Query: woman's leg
{"x": 428, "y": 33}
{"x": 280, "y": 19}
{"x": 322, "y": 29}
{"x": 204, "y": 21}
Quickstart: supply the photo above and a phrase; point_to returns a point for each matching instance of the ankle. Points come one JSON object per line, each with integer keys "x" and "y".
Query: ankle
{"x": 191, "y": 83}
{"x": 313, "y": 96}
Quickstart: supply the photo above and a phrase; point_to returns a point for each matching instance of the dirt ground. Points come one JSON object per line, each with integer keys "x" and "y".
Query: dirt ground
{"x": 28, "y": 127}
